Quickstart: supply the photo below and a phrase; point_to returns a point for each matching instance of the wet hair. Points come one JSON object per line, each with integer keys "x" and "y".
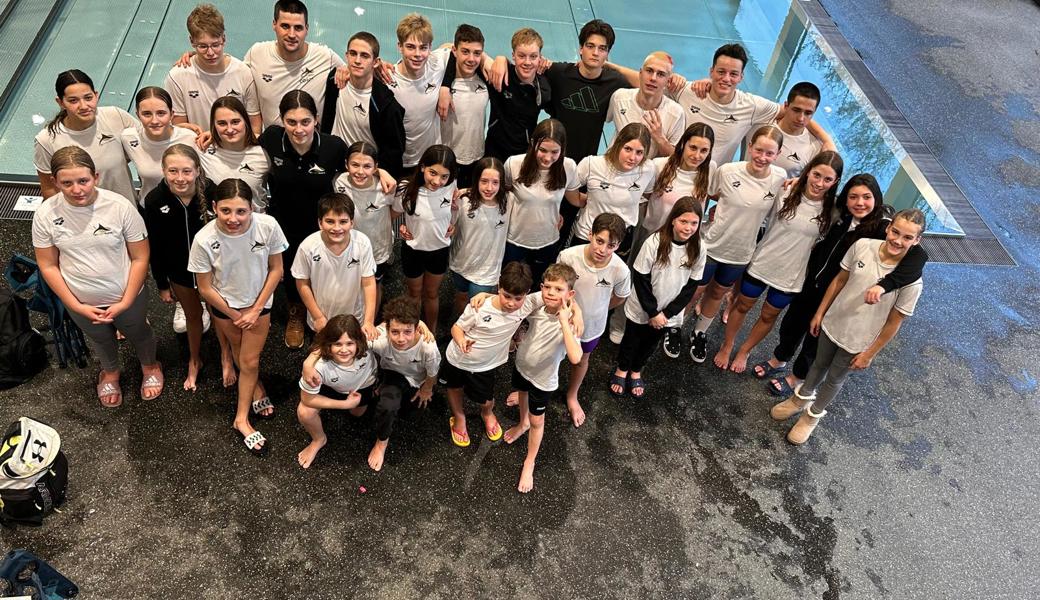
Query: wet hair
{"x": 488, "y": 162}
{"x": 234, "y": 104}
{"x": 201, "y": 203}
{"x": 873, "y": 220}
{"x": 794, "y": 197}
{"x": 465, "y": 34}
{"x": 438, "y": 154}
{"x": 686, "y": 204}
{"x": 402, "y": 309}
{"x": 732, "y": 51}
{"x": 772, "y": 132}
{"x": 294, "y": 99}
{"x": 71, "y": 157}
{"x": 230, "y": 189}
{"x": 596, "y": 27}
{"x": 554, "y": 131}
{"x": 671, "y": 166}
{"x": 64, "y": 80}
{"x": 560, "y": 272}
{"x": 804, "y": 89}
{"x": 205, "y": 19}
{"x": 631, "y": 132}
{"x": 369, "y": 39}
{"x": 292, "y": 7}
{"x": 333, "y": 330}
{"x": 526, "y": 35}
{"x": 414, "y": 25}
{"x": 911, "y": 215}
{"x": 153, "y": 91}
{"x": 336, "y": 203}
{"x": 516, "y": 278}
{"x": 612, "y": 223}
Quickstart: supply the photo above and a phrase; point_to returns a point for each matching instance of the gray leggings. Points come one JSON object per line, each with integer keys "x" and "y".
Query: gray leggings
{"x": 827, "y": 373}
{"x": 133, "y": 323}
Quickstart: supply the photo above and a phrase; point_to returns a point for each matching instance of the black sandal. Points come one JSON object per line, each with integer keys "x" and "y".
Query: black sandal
{"x": 637, "y": 382}
{"x": 616, "y": 379}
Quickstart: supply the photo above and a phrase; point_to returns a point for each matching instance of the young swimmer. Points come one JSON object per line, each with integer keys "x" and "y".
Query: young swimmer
{"x": 746, "y": 193}
{"x": 347, "y": 377}
{"x": 237, "y": 260}
{"x": 664, "y": 275}
{"x": 334, "y": 268}
{"x": 371, "y": 205}
{"x": 463, "y": 129}
{"x": 648, "y": 105}
{"x": 800, "y": 145}
{"x": 145, "y": 142}
{"x": 234, "y": 152}
{"x": 800, "y": 218}
{"x": 604, "y": 282}
{"x": 480, "y": 233}
{"x": 536, "y": 370}
{"x": 425, "y": 200}
{"x": 851, "y": 331}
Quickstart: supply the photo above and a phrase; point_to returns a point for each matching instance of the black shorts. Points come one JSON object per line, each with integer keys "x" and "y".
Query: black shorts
{"x": 219, "y": 315}
{"x": 537, "y": 399}
{"x": 415, "y": 263}
{"x": 367, "y": 394}
{"x": 478, "y": 387}
{"x": 380, "y": 271}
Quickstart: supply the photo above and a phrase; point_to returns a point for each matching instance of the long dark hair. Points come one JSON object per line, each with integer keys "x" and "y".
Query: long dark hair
{"x": 686, "y": 204}
{"x": 438, "y": 154}
{"x": 153, "y": 91}
{"x": 333, "y": 330}
{"x": 64, "y": 80}
{"x": 554, "y": 131}
{"x": 794, "y": 197}
{"x": 233, "y": 188}
{"x": 230, "y": 103}
{"x": 200, "y": 201}
{"x": 877, "y": 216}
{"x": 629, "y": 133}
{"x": 667, "y": 175}
{"x": 488, "y": 162}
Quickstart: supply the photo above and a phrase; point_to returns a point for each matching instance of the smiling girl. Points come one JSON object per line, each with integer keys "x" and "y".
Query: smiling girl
{"x": 480, "y": 233}
{"x": 145, "y": 142}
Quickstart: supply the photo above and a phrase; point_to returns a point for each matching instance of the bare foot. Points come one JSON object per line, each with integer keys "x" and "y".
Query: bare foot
{"x": 513, "y": 399}
{"x": 492, "y": 427}
{"x": 193, "y": 375}
{"x": 526, "y": 478}
{"x": 227, "y": 371}
{"x": 307, "y": 455}
{"x": 247, "y": 430}
{"x": 739, "y": 363}
{"x": 375, "y": 457}
{"x": 576, "y": 411}
{"x": 722, "y": 358}
{"x": 515, "y": 432}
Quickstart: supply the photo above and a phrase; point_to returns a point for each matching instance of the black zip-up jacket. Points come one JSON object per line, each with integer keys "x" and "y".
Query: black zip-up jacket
{"x": 385, "y": 119}
{"x": 171, "y": 229}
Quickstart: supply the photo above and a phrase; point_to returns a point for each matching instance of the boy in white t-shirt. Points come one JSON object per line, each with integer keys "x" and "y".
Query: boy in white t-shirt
{"x": 648, "y": 105}
{"x": 463, "y": 128}
{"x": 800, "y": 145}
{"x": 334, "y": 268}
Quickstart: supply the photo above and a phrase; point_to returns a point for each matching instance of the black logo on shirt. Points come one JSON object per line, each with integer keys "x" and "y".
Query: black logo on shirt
{"x": 193, "y": 93}
{"x": 860, "y": 264}
{"x": 352, "y": 263}
{"x": 430, "y": 87}
{"x": 685, "y": 265}
{"x": 211, "y": 150}
{"x": 360, "y": 109}
{"x": 233, "y": 92}
{"x": 794, "y": 156}
{"x": 736, "y": 184}
{"x": 668, "y": 189}
{"x": 267, "y": 77}
{"x": 316, "y": 170}
{"x": 634, "y": 187}
{"x": 316, "y": 258}
{"x": 487, "y": 319}
{"x": 623, "y": 110}
{"x": 245, "y": 168}
{"x": 334, "y": 379}
{"x": 305, "y": 77}
{"x": 258, "y": 247}
{"x": 59, "y": 221}
{"x": 371, "y": 207}
{"x": 500, "y": 224}
{"x": 102, "y": 230}
{"x": 215, "y": 245}
{"x": 695, "y": 109}
{"x": 604, "y": 185}
{"x": 480, "y": 88}
{"x": 445, "y": 202}
{"x": 393, "y": 83}
{"x": 769, "y": 196}
{"x": 104, "y": 137}
{"x": 135, "y": 143}
{"x": 415, "y": 361}
{"x": 602, "y": 283}
{"x": 729, "y": 119}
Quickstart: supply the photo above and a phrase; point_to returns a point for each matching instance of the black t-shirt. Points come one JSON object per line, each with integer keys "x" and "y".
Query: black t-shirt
{"x": 581, "y": 105}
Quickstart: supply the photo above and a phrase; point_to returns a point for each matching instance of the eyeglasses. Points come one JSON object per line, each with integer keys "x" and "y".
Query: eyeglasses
{"x": 205, "y": 47}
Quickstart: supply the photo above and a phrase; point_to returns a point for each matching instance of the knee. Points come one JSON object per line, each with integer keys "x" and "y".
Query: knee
{"x": 389, "y": 398}
{"x": 768, "y": 317}
{"x": 250, "y": 364}
{"x": 538, "y": 422}
{"x": 744, "y": 303}
{"x": 305, "y": 413}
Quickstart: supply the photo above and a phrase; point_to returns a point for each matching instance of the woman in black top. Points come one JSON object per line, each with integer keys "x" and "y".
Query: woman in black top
{"x": 173, "y": 213}
{"x": 863, "y": 215}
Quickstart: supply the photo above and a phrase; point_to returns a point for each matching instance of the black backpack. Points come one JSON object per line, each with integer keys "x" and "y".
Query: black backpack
{"x": 34, "y": 473}
{"x": 23, "y": 351}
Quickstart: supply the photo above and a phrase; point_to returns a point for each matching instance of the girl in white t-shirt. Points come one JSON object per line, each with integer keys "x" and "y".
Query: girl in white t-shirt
{"x": 801, "y": 218}
{"x": 346, "y": 374}
{"x": 426, "y": 200}
{"x": 92, "y": 250}
{"x": 852, "y": 331}
{"x": 81, "y": 122}
{"x": 237, "y": 260}
{"x": 616, "y": 184}
{"x": 234, "y": 152}
{"x": 145, "y": 142}
{"x": 480, "y": 233}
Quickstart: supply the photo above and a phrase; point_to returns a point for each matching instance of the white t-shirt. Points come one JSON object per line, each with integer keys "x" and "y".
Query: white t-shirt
{"x": 658, "y": 207}
{"x": 782, "y": 257}
{"x": 433, "y": 215}
{"x": 744, "y": 202}
{"x": 194, "y": 91}
{"x": 479, "y": 244}
{"x": 238, "y": 262}
{"x": 416, "y": 364}
{"x": 464, "y": 128}
{"x": 595, "y": 287}
{"x": 419, "y": 97}
{"x": 611, "y": 190}
{"x": 351, "y": 120}
{"x": 101, "y": 141}
{"x": 371, "y": 214}
{"x": 533, "y": 209}
{"x": 92, "y": 243}
{"x": 666, "y": 281}
{"x": 491, "y": 331}
{"x": 343, "y": 378}
{"x": 335, "y": 280}
{"x": 147, "y": 155}
{"x": 797, "y": 151}
{"x": 730, "y": 122}
{"x": 539, "y": 355}
{"x": 275, "y": 77}
{"x": 852, "y": 323}
{"x": 249, "y": 165}
{"x": 624, "y": 109}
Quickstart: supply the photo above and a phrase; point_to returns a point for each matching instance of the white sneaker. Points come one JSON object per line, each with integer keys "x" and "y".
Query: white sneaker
{"x": 205, "y": 317}
{"x": 180, "y": 323}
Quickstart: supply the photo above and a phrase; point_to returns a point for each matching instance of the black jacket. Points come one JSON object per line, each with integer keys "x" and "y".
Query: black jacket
{"x": 171, "y": 229}
{"x": 385, "y": 119}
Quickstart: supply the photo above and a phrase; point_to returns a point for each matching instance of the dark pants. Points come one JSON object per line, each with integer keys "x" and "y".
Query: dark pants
{"x": 394, "y": 392}
{"x": 638, "y": 345}
{"x": 794, "y": 329}
{"x": 295, "y": 232}
{"x": 538, "y": 259}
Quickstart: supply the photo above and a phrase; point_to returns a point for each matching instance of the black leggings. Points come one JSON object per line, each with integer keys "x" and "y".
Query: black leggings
{"x": 394, "y": 392}
{"x": 794, "y": 329}
{"x": 638, "y": 345}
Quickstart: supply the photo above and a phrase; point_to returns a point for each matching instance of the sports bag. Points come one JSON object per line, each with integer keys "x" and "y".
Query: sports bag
{"x": 23, "y": 351}
{"x": 34, "y": 473}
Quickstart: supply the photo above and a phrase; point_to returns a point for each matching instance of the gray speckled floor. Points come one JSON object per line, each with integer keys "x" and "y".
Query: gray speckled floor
{"x": 922, "y": 483}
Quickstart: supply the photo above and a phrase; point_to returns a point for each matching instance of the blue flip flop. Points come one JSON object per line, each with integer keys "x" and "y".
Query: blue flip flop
{"x": 767, "y": 370}
{"x": 785, "y": 390}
